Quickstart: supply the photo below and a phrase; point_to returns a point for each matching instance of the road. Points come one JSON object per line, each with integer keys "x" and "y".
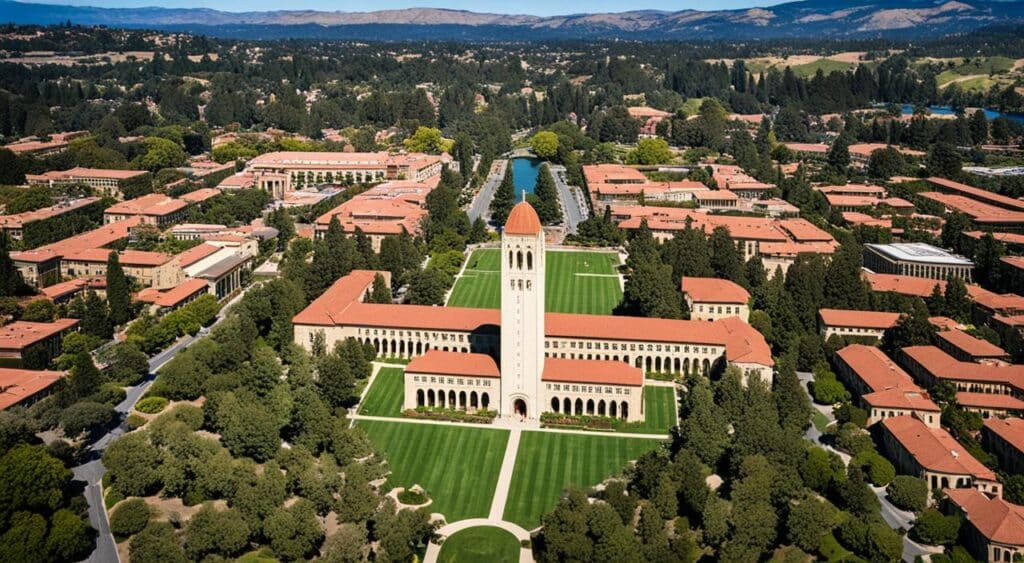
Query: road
{"x": 894, "y": 517}
{"x": 482, "y": 202}
{"x": 573, "y": 210}
{"x": 91, "y": 472}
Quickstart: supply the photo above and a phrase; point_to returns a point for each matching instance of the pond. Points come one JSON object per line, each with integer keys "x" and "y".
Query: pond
{"x": 524, "y": 175}
{"x": 946, "y": 110}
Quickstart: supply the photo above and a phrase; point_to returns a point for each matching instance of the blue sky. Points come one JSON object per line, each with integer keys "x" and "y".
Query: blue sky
{"x": 535, "y": 7}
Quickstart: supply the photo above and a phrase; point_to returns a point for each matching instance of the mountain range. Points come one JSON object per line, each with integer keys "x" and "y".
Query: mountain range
{"x": 847, "y": 19}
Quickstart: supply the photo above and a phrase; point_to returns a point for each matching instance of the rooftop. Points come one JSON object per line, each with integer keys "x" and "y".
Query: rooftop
{"x": 19, "y": 220}
{"x": 907, "y": 399}
{"x": 875, "y": 369}
{"x": 714, "y": 290}
{"x": 1011, "y": 430}
{"x": 943, "y": 366}
{"x": 935, "y": 449}
{"x": 989, "y": 401}
{"x": 523, "y": 220}
{"x": 142, "y": 258}
{"x": 16, "y": 385}
{"x": 994, "y": 518}
{"x": 22, "y": 334}
{"x": 175, "y": 295}
{"x": 859, "y": 319}
{"x": 919, "y": 252}
{"x": 601, "y": 372}
{"x": 969, "y": 345}
{"x": 156, "y": 205}
{"x": 438, "y": 362}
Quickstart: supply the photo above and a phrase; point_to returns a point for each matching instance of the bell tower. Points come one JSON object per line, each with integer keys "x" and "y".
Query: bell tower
{"x": 522, "y": 312}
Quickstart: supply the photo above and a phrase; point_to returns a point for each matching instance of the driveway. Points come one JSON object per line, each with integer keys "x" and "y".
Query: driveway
{"x": 574, "y": 210}
{"x": 481, "y": 204}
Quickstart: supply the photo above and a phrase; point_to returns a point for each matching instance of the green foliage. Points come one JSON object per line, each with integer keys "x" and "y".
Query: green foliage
{"x": 544, "y": 144}
{"x": 828, "y": 390}
{"x": 156, "y": 542}
{"x": 150, "y": 335}
{"x": 129, "y": 518}
{"x": 40, "y": 311}
{"x": 215, "y": 532}
{"x": 878, "y": 469}
{"x": 427, "y": 140}
{"x": 650, "y": 151}
{"x": 294, "y": 532}
{"x": 133, "y": 465}
{"x": 908, "y": 493}
{"x": 934, "y": 528}
{"x": 809, "y": 521}
{"x": 151, "y": 405}
{"x": 32, "y": 480}
{"x": 86, "y": 416}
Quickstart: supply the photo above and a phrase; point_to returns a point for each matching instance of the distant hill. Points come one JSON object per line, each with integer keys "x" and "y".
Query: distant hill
{"x": 840, "y": 19}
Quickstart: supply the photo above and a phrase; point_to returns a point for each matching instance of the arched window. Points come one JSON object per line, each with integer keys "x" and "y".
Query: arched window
{"x": 579, "y": 406}
{"x": 509, "y": 258}
{"x": 519, "y": 260}
{"x": 554, "y": 404}
{"x": 601, "y": 408}
{"x": 462, "y": 400}
{"x": 451, "y": 400}
{"x": 590, "y": 406}
{"x": 529, "y": 260}
{"x": 567, "y": 406}
{"x": 472, "y": 400}
{"x": 613, "y": 409}
{"x": 624, "y": 411}
{"x": 485, "y": 400}
{"x": 430, "y": 398}
{"x": 419, "y": 397}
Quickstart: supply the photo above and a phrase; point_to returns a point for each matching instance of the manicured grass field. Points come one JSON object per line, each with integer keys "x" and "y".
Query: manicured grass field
{"x": 547, "y": 463}
{"x": 660, "y": 410}
{"x": 385, "y": 396}
{"x": 595, "y": 292}
{"x": 483, "y": 543}
{"x": 457, "y": 466}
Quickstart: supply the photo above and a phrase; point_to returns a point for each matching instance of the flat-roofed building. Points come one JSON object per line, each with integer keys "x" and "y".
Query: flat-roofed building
{"x": 916, "y": 259}
{"x": 1004, "y": 437}
{"x": 992, "y": 529}
{"x": 151, "y": 269}
{"x": 617, "y": 183}
{"x": 859, "y": 190}
{"x": 107, "y": 182}
{"x": 23, "y": 340}
{"x": 732, "y": 178}
{"x": 385, "y": 210}
{"x": 14, "y": 225}
{"x": 967, "y": 348}
{"x": 983, "y": 215}
{"x": 152, "y": 209}
{"x": 935, "y": 456}
{"x": 709, "y": 299}
{"x": 844, "y": 203}
{"x": 24, "y": 387}
{"x": 282, "y": 172}
{"x": 868, "y": 324}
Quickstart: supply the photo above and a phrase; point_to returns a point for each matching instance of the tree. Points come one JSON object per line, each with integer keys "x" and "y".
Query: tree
{"x": 215, "y": 532}
{"x": 157, "y": 542}
{"x": 11, "y": 282}
{"x": 381, "y": 292}
{"x": 726, "y": 260}
{"x": 294, "y": 532}
{"x": 545, "y": 197}
{"x": 86, "y": 416}
{"x": 428, "y": 287}
{"x": 40, "y": 311}
{"x": 96, "y": 317}
{"x": 979, "y": 127}
{"x": 335, "y": 380}
{"x": 12, "y": 168}
{"x": 987, "y": 261}
{"x": 544, "y": 144}
{"x": 70, "y": 538}
{"x": 161, "y": 153}
{"x": 934, "y": 528}
{"x": 885, "y": 163}
{"x": 649, "y": 292}
{"x": 129, "y": 517}
{"x": 248, "y": 429}
{"x": 791, "y": 402}
{"x": 838, "y": 156}
{"x": 133, "y": 464}
{"x": 958, "y": 303}
{"x": 426, "y": 140}
{"x": 913, "y": 329}
{"x": 346, "y": 545}
{"x": 808, "y": 522}
{"x": 31, "y": 480}
{"x": 704, "y": 429}
{"x": 650, "y": 151}
{"x": 24, "y": 538}
{"x": 128, "y": 364}
{"x": 908, "y": 493}
{"x": 943, "y": 160}
{"x": 504, "y": 198}
{"x": 118, "y": 291}
{"x": 85, "y": 379}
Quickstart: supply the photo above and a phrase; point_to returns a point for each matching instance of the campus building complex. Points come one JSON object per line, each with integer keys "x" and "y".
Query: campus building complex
{"x": 282, "y": 172}
{"x": 520, "y": 360}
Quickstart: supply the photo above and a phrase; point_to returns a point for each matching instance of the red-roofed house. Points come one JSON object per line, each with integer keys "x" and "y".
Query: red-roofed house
{"x": 107, "y": 182}
{"x": 24, "y": 387}
{"x": 935, "y": 456}
{"x": 1004, "y": 437}
{"x": 993, "y": 529}
{"x": 153, "y": 209}
{"x": 151, "y": 269}
{"x": 893, "y": 402}
{"x": 40, "y": 340}
{"x": 866, "y": 369}
{"x": 869, "y": 324}
{"x": 712, "y": 298}
{"x": 967, "y": 348}
{"x": 164, "y": 301}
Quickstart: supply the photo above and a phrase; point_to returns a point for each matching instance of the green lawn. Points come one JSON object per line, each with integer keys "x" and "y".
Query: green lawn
{"x": 385, "y": 396}
{"x": 596, "y": 292}
{"x": 483, "y": 543}
{"x": 820, "y": 421}
{"x": 660, "y": 410}
{"x": 547, "y": 463}
{"x": 457, "y": 466}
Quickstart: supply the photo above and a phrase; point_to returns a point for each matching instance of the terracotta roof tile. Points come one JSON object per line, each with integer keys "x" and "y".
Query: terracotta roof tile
{"x": 994, "y": 518}
{"x": 860, "y": 319}
{"x": 935, "y": 449}
{"x": 438, "y": 362}
{"x": 591, "y": 371}
{"x": 16, "y": 385}
{"x": 522, "y": 220}
{"x": 714, "y": 290}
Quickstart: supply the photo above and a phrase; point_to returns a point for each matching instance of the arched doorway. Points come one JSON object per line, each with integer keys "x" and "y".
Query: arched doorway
{"x": 519, "y": 407}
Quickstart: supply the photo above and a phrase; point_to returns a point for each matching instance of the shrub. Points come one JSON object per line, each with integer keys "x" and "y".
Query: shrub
{"x": 854, "y": 440}
{"x": 827, "y": 390}
{"x": 878, "y": 469}
{"x": 86, "y": 416}
{"x": 847, "y": 412}
{"x": 412, "y": 497}
{"x": 129, "y": 518}
{"x": 151, "y": 405}
{"x": 135, "y": 421}
{"x": 113, "y": 497}
{"x": 935, "y": 528}
{"x": 908, "y": 493}
{"x": 108, "y": 394}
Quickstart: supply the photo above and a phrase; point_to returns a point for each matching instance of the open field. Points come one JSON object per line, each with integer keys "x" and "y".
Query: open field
{"x": 457, "y": 466}
{"x": 660, "y": 410}
{"x": 547, "y": 463}
{"x": 483, "y": 543}
{"x": 385, "y": 396}
{"x": 577, "y": 282}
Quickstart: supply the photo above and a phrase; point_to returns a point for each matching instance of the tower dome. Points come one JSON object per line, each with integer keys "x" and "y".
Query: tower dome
{"x": 522, "y": 220}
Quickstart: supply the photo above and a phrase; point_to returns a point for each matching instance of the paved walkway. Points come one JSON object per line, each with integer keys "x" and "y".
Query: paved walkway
{"x": 525, "y": 553}
{"x": 506, "y": 424}
{"x": 508, "y": 464}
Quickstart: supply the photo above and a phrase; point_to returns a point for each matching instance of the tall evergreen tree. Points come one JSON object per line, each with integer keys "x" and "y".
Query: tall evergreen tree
{"x": 846, "y": 288}
{"x": 10, "y": 278}
{"x": 504, "y": 198}
{"x": 688, "y": 254}
{"x": 96, "y": 317}
{"x": 958, "y": 303}
{"x": 545, "y": 197}
{"x": 726, "y": 260}
{"x": 381, "y": 292}
{"x": 649, "y": 292}
{"x": 119, "y": 295}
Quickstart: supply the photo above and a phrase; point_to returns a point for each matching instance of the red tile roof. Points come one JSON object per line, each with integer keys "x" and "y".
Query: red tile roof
{"x": 875, "y": 369}
{"x": 904, "y": 285}
{"x": 974, "y": 347}
{"x": 901, "y": 399}
{"x": 96, "y": 238}
{"x": 16, "y": 385}
{"x": 522, "y": 220}
{"x": 156, "y": 205}
{"x": 978, "y": 193}
{"x": 141, "y": 258}
{"x": 934, "y": 449}
{"x": 714, "y": 290}
{"x": 22, "y": 334}
{"x": 859, "y": 319}
{"x": 602, "y": 372}
{"x": 996, "y": 519}
{"x": 989, "y": 401}
{"x": 1011, "y": 430}
{"x": 1016, "y": 262}
{"x": 70, "y": 287}
{"x": 326, "y": 310}
{"x": 19, "y": 220}
{"x": 195, "y": 254}
{"x": 200, "y": 195}
{"x": 437, "y": 362}
{"x": 943, "y": 366}
{"x": 175, "y": 295}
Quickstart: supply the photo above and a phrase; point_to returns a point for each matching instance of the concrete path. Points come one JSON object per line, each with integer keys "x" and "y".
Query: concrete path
{"x": 501, "y": 424}
{"x": 573, "y": 210}
{"x": 481, "y": 204}
{"x": 525, "y": 554}
{"x": 508, "y": 464}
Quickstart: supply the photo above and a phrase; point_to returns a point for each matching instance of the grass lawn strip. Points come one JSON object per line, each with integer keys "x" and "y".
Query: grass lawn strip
{"x": 385, "y": 396}
{"x": 482, "y": 543}
{"x": 456, "y": 466}
{"x": 549, "y": 462}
